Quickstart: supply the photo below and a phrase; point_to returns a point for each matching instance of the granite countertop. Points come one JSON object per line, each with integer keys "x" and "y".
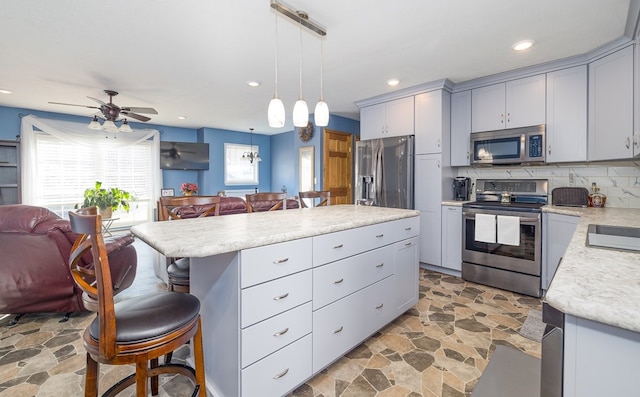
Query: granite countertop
{"x": 454, "y": 203}
{"x": 598, "y": 284}
{"x": 202, "y": 237}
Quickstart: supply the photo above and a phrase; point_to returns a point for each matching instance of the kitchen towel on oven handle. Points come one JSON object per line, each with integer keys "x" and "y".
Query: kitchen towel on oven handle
{"x": 508, "y": 230}
{"x": 485, "y": 228}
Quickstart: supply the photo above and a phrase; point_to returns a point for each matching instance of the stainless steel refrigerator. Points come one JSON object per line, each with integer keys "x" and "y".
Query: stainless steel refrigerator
{"x": 384, "y": 172}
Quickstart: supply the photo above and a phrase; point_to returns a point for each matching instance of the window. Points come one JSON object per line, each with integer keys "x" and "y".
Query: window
{"x": 63, "y": 158}
{"x": 65, "y": 170}
{"x": 239, "y": 171}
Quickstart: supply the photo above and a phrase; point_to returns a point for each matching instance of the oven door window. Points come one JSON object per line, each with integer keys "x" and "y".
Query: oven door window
{"x": 497, "y": 149}
{"x": 525, "y": 251}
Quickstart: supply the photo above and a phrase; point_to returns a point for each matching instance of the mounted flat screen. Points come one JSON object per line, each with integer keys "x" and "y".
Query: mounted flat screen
{"x": 184, "y": 156}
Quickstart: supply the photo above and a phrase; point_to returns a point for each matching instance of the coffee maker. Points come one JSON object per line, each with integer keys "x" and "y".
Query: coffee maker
{"x": 461, "y": 188}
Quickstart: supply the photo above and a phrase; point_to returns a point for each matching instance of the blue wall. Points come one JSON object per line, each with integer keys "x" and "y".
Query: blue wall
{"x": 282, "y": 148}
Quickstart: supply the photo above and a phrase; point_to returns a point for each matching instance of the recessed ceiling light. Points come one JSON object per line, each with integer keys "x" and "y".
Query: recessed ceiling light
{"x": 182, "y": 117}
{"x": 6, "y": 92}
{"x": 253, "y": 83}
{"x": 522, "y": 45}
{"x": 393, "y": 82}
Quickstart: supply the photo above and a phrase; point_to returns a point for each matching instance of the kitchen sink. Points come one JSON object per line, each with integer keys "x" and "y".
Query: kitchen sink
{"x": 614, "y": 237}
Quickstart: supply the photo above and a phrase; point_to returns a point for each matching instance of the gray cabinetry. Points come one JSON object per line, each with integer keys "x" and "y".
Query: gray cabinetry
{"x": 567, "y": 115}
{"x": 558, "y": 230}
{"x": 10, "y": 173}
{"x": 460, "y": 128}
{"x": 452, "y": 237}
{"x": 515, "y": 103}
{"x": 432, "y": 111}
{"x": 611, "y": 106}
{"x": 387, "y": 119}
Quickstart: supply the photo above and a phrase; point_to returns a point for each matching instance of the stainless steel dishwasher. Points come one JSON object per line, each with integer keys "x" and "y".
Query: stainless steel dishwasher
{"x": 551, "y": 370}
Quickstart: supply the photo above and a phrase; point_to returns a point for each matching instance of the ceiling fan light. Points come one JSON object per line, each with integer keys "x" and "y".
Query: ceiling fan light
{"x": 276, "y": 113}
{"x": 300, "y": 113}
{"x": 125, "y": 127}
{"x": 109, "y": 126}
{"x": 95, "y": 124}
{"x": 321, "y": 114}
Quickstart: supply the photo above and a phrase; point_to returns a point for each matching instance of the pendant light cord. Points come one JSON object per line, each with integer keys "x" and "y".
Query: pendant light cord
{"x": 276, "y": 55}
{"x": 300, "y": 60}
{"x": 321, "y": 67}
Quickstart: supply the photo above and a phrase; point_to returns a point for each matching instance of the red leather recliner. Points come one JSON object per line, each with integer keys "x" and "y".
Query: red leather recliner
{"x": 35, "y": 244}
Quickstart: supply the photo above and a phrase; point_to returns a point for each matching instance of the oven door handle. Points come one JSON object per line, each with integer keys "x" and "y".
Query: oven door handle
{"x": 522, "y": 220}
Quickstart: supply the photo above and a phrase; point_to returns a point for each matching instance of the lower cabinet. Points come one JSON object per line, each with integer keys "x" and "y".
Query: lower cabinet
{"x": 452, "y": 237}
{"x": 283, "y": 312}
{"x": 557, "y": 232}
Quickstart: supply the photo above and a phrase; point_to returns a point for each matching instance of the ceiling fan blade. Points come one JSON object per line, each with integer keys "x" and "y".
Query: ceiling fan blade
{"x": 73, "y": 104}
{"x": 140, "y": 110}
{"x": 97, "y": 100}
{"x": 135, "y": 116}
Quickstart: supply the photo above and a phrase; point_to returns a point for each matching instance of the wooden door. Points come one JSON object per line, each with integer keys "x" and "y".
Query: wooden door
{"x": 337, "y": 160}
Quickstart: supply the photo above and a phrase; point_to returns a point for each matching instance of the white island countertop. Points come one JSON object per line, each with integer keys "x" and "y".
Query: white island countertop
{"x": 203, "y": 237}
{"x": 598, "y": 284}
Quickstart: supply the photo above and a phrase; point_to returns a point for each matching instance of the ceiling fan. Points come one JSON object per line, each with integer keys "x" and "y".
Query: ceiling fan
{"x": 112, "y": 112}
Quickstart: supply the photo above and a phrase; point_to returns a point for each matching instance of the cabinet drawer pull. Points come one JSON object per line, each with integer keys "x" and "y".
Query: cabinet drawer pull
{"x": 407, "y": 228}
{"x": 338, "y": 281}
{"x": 338, "y": 246}
{"x": 408, "y": 244}
{"x": 281, "y": 374}
{"x": 279, "y": 261}
{"x": 284, "y": 331}
{"x": 277, "y": 298}
{"x": 338, "y": 330}
{"x": 380, "y": 265}
{"x": 380, "y": 306}
{"x": 379, "y": 235}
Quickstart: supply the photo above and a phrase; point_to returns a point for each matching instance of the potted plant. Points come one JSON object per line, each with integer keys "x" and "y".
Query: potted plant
{"x": 107, "y": 200}
{"x": 188, "y": 188}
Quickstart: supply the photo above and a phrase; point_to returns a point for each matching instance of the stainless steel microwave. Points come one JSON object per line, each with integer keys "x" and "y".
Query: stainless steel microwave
{"x": 511, "y": 146}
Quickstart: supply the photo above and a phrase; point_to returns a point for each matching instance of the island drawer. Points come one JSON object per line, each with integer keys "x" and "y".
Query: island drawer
{"x": 266, "y": 300}
{"x": 269, "y": 262}
{"x": 339, "y": 245}
{"x": 263, "y": 338}
{"x": 277, "y": 374}
{"x": 406, "y": 228}
{"x": 341, "y": 278}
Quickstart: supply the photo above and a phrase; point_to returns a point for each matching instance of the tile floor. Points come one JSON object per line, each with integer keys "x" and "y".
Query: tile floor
{"x": 438, "y": 348}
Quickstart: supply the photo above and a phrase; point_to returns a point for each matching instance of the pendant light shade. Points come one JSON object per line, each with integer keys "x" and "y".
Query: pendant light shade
{"x": 125, "y": 127}
{"x": 109, "y": 126}
{"x": 275, "y": 112}
{"x": 300, "y": 113}
{"x": 321, "y": 114}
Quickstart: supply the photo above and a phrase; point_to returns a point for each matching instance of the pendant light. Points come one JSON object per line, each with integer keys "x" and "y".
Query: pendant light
{"x": 251, "y": 156}
{"x": 300, "y": 109}
{"x": 275, "y": 112}
{"x": 321, "y": 113}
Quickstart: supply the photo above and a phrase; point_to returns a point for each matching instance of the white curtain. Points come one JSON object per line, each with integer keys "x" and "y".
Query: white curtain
{"x": 78, "y": 134}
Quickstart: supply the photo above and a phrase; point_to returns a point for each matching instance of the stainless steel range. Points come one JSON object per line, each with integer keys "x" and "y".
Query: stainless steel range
{"x": 502, "y": 234}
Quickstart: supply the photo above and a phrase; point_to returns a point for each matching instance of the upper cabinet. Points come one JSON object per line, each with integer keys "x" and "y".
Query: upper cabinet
{"x": 460, "y": 128}
{"x": 566, "y": 134}
{"x": 10, "y": 172}
{"x": 432, "y": 122}
{"x": 387, "y": 119}
{"x": 611, "y": 106}
{"x": 516, "y": 103}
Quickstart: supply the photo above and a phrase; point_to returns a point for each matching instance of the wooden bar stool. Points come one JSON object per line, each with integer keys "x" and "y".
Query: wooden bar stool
{"x": 266, "y": 202}
{"x": 312, "y": 195}
{"x": 133, "y": 331}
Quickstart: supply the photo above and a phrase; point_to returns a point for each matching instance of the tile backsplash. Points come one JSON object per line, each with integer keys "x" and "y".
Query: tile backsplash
{"x": 619, "y": 181}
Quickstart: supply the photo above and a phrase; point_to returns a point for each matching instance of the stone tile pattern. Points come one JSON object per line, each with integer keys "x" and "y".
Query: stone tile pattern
{"x": 438, "y": 348}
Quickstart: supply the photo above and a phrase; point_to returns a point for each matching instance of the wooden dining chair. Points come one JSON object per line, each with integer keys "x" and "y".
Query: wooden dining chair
{"x": 259, "y": 202}
{"x": 312, "y": 195}
{"x": 132, "y": 331}
{"x": 184, "y": 207}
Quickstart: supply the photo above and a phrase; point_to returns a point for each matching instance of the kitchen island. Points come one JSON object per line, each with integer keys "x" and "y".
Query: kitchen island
{"x": 286, "y": 293}
{"x": 599, "y": 291}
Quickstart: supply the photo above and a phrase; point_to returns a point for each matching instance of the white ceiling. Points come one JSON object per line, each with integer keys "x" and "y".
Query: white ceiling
{"x": 194, "y": 57}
